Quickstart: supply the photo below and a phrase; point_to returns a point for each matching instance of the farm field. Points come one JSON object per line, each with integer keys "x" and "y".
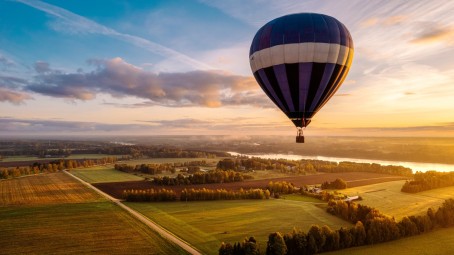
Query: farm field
{"x": 55, "y": 214}
{"x": 206, "y": 224}
{"x": 116, "y": 189}
{"x": 439, "y": 242}
{"x": 388, "y": 198}
{"x": 104, "y": 174}
{"x": 42, "y": 189}
{"x": 83, "y": 228}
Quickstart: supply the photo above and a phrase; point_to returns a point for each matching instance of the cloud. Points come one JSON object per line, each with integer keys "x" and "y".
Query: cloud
{"x": 384, "y": 21}
{"x": 21, "y": 126}
{"x": 433, "y": 34}
{"x": 119, "y": 79}
{"x": 36, "y": 126}
{"x": 41, "y": 67}
{"x": 5, "y": 63}
{"x": 72, "y": 23}
{"x": 12, "y": 82}
{"x": 13, "y": 97}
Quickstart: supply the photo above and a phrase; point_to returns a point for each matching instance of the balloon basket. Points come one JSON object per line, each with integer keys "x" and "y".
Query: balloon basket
{"x": 300, "y": 139}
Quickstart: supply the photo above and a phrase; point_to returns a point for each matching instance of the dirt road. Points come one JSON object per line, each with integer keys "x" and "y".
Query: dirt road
{"x": 163, "y": 232}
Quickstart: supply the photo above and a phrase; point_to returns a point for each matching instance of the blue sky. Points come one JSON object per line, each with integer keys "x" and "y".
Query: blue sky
{"x": 181, "y": 67}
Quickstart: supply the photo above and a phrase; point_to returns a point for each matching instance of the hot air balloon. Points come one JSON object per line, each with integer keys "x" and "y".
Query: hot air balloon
{"x": 300, "y": 61}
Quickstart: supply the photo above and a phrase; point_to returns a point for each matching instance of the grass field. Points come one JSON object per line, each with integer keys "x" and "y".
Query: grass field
{"x": 388, "y": 198}
{"x": 298, "y": 197}
{"x": 84, "y": 228}
{"x": 104, "y": 174}
{"x": 206, "y": 224}
{"x": 440, "y": 242}
{"x": 52, "y": 188}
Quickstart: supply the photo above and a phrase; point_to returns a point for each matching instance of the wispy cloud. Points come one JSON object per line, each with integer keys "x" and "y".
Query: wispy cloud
{"x": 41, "y": 67}
{"x": 9, "y": 125}
{"x": 5, "y": 63}
{"x": 433, "y": 34}
{"x": 384, "y": 21}
{"x": 37, "y": 126}
{"x": 120, "y": 79}
{"x": 14, "y": 97}
{"x": 69, "y": 22}
{"x": 12, "y": 82}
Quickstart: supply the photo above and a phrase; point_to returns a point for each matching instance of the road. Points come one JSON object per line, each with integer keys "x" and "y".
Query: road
{"x": 163, "y": 232}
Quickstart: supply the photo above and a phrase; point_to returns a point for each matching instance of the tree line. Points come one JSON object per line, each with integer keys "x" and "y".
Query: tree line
{"x": 192, "y": 166}
{"x": 343, "y": 167}
{"x": 428, "y": 180}
{"x": 222, "y": 194}
{"x": 242, "y": 163}
{"x": 53, "y": 166}
{"x": 149, "y": 195}
{"x": 145, "y": 168}
{"x": 308, "y": 166}
{"x": 215, "y": 176}
{"x": 281, "y": 187}
{"x": 376, "y": 228}
{"x": 249, "y": 246}
{"x": 204, "y": 194}
{"x": 336, "y": 184}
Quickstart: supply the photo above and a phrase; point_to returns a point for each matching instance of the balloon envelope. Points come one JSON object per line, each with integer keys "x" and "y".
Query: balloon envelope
{"x": 300, "y": 61}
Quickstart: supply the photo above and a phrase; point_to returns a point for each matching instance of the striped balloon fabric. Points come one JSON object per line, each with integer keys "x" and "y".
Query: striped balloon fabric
{"x": 300, "y": 61}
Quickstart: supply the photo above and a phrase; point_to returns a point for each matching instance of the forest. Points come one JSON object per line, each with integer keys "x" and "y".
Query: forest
{"x": 428, "y": 180}
{"x": 308, "y": 166}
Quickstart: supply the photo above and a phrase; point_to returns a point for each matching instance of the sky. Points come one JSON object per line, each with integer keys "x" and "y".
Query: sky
{"x": 181, "y": 67}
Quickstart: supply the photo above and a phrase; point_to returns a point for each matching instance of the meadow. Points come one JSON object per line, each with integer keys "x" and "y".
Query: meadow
{"x": 388, "y": 198}
{"x": 206, "y": 224}
{"x": 439, "y": 242}
{"x": 107, "y": 173}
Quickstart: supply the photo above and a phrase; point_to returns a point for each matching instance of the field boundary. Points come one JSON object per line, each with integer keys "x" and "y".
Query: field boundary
{"x": 153, "y": 225}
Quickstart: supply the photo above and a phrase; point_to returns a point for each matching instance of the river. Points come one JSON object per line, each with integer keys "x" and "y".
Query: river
{"x": 415, "y": 166}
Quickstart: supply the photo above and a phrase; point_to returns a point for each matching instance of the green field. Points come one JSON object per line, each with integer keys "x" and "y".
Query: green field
{"x": 439, "y": 242}
{"x": 206, "y": 224}
{"x": 388, "y": 198}
{"x": 104, "y": 174}
{"x": 298, "y": 197}
{"x": 85, "y": 228}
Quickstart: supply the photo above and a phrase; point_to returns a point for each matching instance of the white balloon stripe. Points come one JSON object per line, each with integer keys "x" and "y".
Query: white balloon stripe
{"x": 300, "y": 53}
